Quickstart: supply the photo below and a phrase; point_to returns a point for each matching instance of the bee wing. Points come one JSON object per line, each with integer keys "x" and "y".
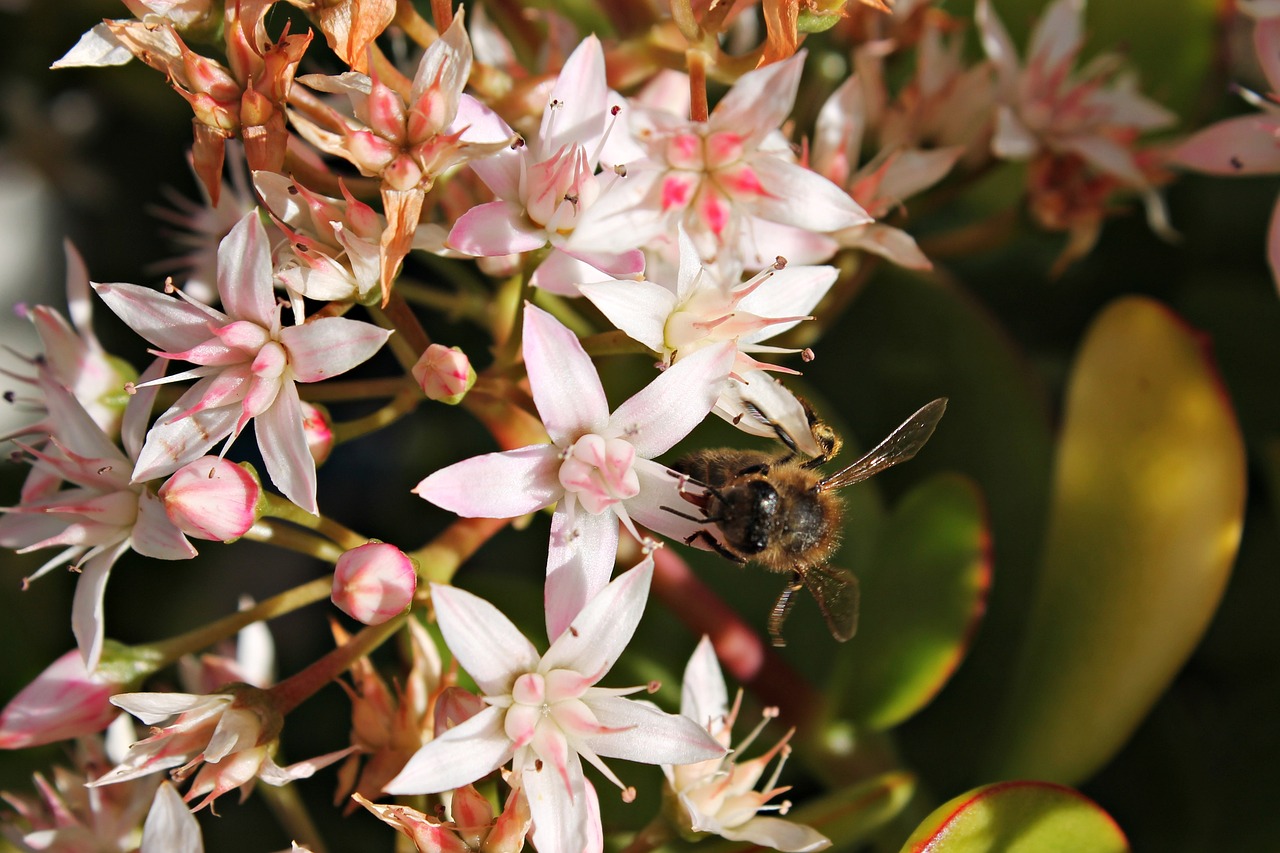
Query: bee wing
{"x": 836, "y": 591}
{"x": 903, "y": 443}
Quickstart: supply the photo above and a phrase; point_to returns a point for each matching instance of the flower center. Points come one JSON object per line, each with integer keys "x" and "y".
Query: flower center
{"x": 547, "y": 711}
{"x": 599, "y": 472}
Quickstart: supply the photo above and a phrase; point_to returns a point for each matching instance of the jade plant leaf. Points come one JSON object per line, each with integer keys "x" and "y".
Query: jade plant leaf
{"x": 1018, "y": 817}
{"x": 922, "y": 598}
{"x": 1145, "y": 519}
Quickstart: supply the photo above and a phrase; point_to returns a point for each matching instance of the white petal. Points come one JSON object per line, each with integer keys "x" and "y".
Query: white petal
{"x": 561, "y": 816}
{"x": 460, "y": 756}
{"x": 790, "y": 292}
{"x": 801, "y": 197}
{"x": 669, "y": 407}
{"x": 579, "y": 563}
{"x": 137, "y": 413}
{"x": 485, "y": 643}
{"x": 761, "y": 99}
{"x": 1057, "y": 36}
{"x": 649, "y": 735}
{"x": 703, "y": 695}
{"x": 169, "y": 446}
{"x": 154, "y": 535}
{"x": 328, "y": 346}
{"x": 581, "y": 93}
{"x": 564, "y": 382}
{"x": 562, "y": 274}
{"x": 244, "y": 273}
{"x": 639, "y": 308}
{"x": 659, "y": 488}
{"x": 778, "y": 834}
{"x": 283, "y": 443}
{"x": 496, "y": 228}
{"x": 170, "y": 824}
{"x": 170, "y": 324}
{"x": 97, "y": 48}
{"x": 153, "y": 708}
{"x": 604, "y": 627}
{"x": 497, "y": 485}
{"x": 86, "y": 605}
{"x": 998, "y": 46}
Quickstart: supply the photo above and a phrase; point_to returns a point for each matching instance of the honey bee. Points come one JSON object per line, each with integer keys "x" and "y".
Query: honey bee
{"x": 778, "y": 510}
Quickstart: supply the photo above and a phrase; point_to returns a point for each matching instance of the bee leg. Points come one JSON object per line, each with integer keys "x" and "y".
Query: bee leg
{"x": 782, "y": 607}
{"x": 714, "y": 544}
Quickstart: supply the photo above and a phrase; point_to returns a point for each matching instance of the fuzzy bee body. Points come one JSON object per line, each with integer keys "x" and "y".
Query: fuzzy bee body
{"x": 784, "y": 514}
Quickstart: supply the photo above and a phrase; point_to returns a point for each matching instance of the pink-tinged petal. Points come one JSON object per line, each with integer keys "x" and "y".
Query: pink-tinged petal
{"x": 64, "y": 701}
{"x": 75, "y": 429}
{"x": 501, "y": 172}
{"x": 1266, "y": 42}
{"x": 777, "y": 834}
{"x": 1057, "y": 36}
{"x": 669, "y": 407}
{"x": 916, "y": 169}
{"x": 801, "y": 197}
{"x": 282, "y": 439}
{"x": 998, "y": 46}
{"x": 893, "y": 244}
{"x": 641, "y": 732}
{"x": 604, "y": 626}
{"x": 97, "y": 48}
{"x": 171, "y": 324}
{"x": 1108, "y": 156}
{"x": 759, "y": 242}
{"x": 562, "y": 813}
{"x": 443, "y": 71}
{"x": 563, "y": 379}
{"x": 480, "y": 125}
{"x": 86, "y": 605}
{"x": 154, "y": 535}
{"x": 1247, "y": 145}
{"x": 137, "y": 413}
{"x": 274, "y": 774}
{"x": 485, "y": 643}
{"x": 244, "y": 273}
{"x": 628, "y": 264}
{"x": 579, "y": 562}
{"x": 496, "y": 228}
{"x": 639, "y": 308}
{"x": 837, "y": 135}
{"x": 329, "y": 346}
{"x": 790, "y": 292}
{"x": 497, "y": 485}
{"x": 153, "y": 708}
{"x": 703, "y": 695}
{"x": 463, "y": 754}
{"x": 580, "y": 94}
{"x": 1011, "y": 139}
{"x": 170, "y": 825}
{"x": 170, "y": 445}
{"x": 660, "y": 487}
{"x": 760, "y": 101}
{"x": 630, "y": 214}
{"x": 563, "y": 274}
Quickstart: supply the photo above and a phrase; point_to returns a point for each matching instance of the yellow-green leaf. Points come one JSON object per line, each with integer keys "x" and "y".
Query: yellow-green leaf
{"x": 1145, "y": 519}
{"x": 1018, "y": 817}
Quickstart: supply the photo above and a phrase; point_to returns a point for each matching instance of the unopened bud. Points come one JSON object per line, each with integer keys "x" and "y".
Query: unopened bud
{"x": 471, "y": 814}
{"x": 64, "y": 701}
{"x": 456, "y": 705}
{"x": 212, "y": 498}
{"x": 444, "y": 374}
{"x": 374, "y": 582}
{"x": 318, "y": 428}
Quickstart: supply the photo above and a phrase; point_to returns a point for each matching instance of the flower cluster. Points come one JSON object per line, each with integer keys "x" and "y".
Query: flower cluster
{"x": 388, "y": 176}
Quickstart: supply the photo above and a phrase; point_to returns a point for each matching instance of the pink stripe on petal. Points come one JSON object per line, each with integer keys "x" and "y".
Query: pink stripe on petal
{"x": 497, "y": 485}
{"x": 282, "y": 440}
{"x": 669, "y": 407}
{"x": 330, "y": 346}
{"x": 244, "y": 273}
{"x": 496, "y": 228}
{"x": 1246, "y": 145}
{"x": 564, "y": 382}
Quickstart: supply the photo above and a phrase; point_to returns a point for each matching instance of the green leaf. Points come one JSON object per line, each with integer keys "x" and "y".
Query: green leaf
{"x": 1018, "y": 817}
{"x": 1146, "y": 514}
{"x": 922, "y": 598}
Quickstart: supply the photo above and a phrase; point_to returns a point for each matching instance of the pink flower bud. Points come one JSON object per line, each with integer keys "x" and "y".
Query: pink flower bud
{"x": 212, "y": 498}
{"x": 444, "y": 373}
{"x": 374, "y": 582}
{"x": 64, "y": 701}
{"x": 318, "y": 428}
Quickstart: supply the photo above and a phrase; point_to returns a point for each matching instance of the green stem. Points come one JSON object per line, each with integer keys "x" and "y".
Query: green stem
{"x": 562, "y": 310}
{"x": 278, "y": 605}
{"x": 345, "y": 537}
{"x": 439, "y": 559}
{"x": 410, "y": 340}
{"x": 614, "y": 343}
{"x": 402, "y": 404}
{"x": 460, "y": 304}
{"x": 302, "y": 685}
{"x": 301, "y": 541}
{"x": 339, "y": 390}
